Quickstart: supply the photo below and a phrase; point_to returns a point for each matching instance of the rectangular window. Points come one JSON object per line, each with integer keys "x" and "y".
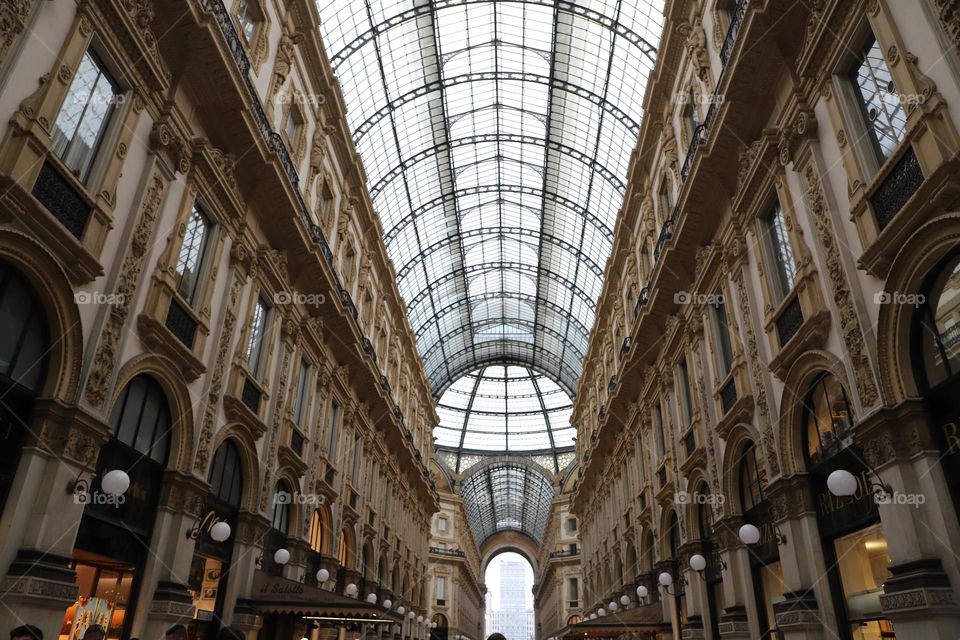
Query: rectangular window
{"x": 665, "y": 204}
{"x": 779, "y": 253}
{"x": 442, "y": 524}
{"x": 332, "y": 435}
{"x": 686, "y": 400}
{"x": 291, "y": 126}
{"x": 387, "y": 500}
{"x": 571, "y": 525}
{"x": 442, "y": 546}
{"x": 880, "y": 104}
{"x": 692, "y": 117}
{"x": 574, "y": 589}
{"x": 83, "y": 119}
{"x": 658, "y": 430}
{"x": 258, "y": 329}
{"x": 247, "y": 19}
{"x": 724, "y": 348}
{"x": 441, "y": 588}
{"x": 192, "y": 253}
{"x": 300, "y": 408}
{"x": 356, "y": 460}
{"x": 642, "y": 467}
{"x": 374, "y": 481}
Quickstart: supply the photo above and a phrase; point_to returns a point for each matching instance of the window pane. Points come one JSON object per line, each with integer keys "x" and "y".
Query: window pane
{"x": 781, "y": 253}
{"x": 84, "y": 116}
{"x": 191, "y": 254}
{"x": 879, "y": 100}
{"x": 255, "y": 345}
{"x": 724, "y": 348}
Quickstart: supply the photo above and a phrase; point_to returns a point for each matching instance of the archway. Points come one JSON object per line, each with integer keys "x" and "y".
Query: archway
{"x": 509, "y": 577}
{"x": 440, "y": 628}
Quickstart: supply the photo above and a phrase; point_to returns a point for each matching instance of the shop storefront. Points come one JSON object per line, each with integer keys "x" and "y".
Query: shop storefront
{"x": 210, "y": 568}
{"x": 114, "y": 535}
{"x": 854, "y": 548}
{"x": 765, "y": 568}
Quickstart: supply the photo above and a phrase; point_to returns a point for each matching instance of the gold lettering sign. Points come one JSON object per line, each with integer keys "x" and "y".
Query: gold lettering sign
{"x": 952, "y": 435}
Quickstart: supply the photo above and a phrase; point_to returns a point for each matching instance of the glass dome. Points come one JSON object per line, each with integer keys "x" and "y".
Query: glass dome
{"x": 504, "y": 409}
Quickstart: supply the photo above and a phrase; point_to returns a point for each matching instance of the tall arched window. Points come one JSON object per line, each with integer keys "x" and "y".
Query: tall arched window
{"x": 226, "y": 478}
{"x": 23, "y": 360}
{"x": 318, "y": 532}
{"x": 752, "y": 479}
{"x": 141, "y": 419}
{"x": 827, "y": 415}
{"x": 345, "y": 548}
{"x": 936, "y": 330}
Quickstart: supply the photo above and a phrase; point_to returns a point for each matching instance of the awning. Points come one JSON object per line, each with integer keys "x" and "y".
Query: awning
{"x": 278, "y": 595}
{"x": 638, "y": 622}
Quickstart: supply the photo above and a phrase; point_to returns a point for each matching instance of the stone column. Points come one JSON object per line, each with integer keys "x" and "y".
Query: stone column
{"x": 247, "y": 546}
{"x": 164, "y": 599}
{"x": 246, "y": 619}
{"x": 807, "y": 612}
{"x": 738, "y": 617}
{"x": 919, "y": 522}
{"x": 42, "y": 516}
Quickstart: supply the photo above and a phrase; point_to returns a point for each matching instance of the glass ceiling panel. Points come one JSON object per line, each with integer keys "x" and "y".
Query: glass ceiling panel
{"x": 496, "y": 136}
{"x": 507, "y": 497}
{"x": 505, "y": 409}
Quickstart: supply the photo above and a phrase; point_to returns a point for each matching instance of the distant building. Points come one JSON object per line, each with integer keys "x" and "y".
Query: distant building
{"x": 512, "y": 618}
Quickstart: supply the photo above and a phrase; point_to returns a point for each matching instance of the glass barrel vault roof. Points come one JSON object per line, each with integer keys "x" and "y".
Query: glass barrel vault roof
{"x": 495, "y": 135}
{"x": 504, "y": 409}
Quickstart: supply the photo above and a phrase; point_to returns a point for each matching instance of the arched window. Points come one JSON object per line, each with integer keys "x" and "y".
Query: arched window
{"x": 281, "y": 508}
{"x": 226, "y": 477}
{"x": 827, "y": 416}
{"x": 936, "y": 331}
{"x": 318, "y": 532}
{"x": 673, "y": 536}
{"x": 366, "y": 556}
{"x": 23, "y": 340}
{"x": 752, "y": 479}
{"x": 141, "y": 418}
{"x": 23, "y": 349}
{"x": 345, "y": 548}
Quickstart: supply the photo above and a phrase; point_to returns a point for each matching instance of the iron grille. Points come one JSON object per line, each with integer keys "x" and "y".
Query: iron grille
{"x": 728, "y": 395}
{"x": 901, "y": 183}
{"x": 789, "y": 321}
{"x": 250, "y": 396}
{"x": 62, "y": 199}
{"x": 181, "y": 324}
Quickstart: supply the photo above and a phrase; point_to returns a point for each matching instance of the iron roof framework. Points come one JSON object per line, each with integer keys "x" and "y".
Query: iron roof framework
{"x": 495, "y": 135}
{"x": 506, "y": 496}
{"x": 503, "y": 409}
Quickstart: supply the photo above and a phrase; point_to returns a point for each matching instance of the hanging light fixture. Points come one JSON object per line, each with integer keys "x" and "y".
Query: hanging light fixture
{"x": 625, "y": 600}
{"x": 115, "y": 482}
{"x": 281, "y": 556}
{"x": 698, "y": 562}
{"x": 749, "y": 534}
{"x": 220, "y": 531}
{"x": 387, "y": 603}
{"x": 372, "y": 598}
{"x": 642, "y": 591}
{"x": 351, "y": 590}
